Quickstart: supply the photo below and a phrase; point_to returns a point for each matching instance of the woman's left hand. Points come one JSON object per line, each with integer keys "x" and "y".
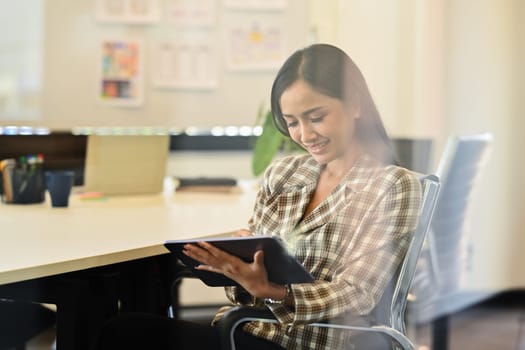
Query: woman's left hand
{"x": 251, "y": 276}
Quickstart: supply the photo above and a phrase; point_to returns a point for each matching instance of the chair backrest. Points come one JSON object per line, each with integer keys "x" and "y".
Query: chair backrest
{"x": 430, "y": 190}
{"x": 459, "y": 168}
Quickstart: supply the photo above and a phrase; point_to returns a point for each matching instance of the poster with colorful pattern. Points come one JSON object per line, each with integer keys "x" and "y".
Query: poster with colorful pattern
{"x": 121, "y": 81}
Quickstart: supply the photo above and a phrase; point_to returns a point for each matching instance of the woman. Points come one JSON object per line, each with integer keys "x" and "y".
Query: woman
{"x": 344, "y": 209}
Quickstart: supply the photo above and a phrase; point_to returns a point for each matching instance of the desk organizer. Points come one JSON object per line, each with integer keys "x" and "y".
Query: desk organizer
{"x": 22, "y": 184}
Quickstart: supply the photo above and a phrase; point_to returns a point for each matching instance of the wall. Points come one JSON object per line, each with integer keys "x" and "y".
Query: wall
{"x": 70, "y": 60}
{"x": 393, "y": 43}
{"x": 480, "y": 80}
{"x": 21, "y": 41}
{"x": 390, "y": 42}
{"x": 516, "y": 146}
{"x": 519, "y": 144}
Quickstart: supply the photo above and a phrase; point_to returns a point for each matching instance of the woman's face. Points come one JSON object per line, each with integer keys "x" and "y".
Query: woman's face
{"x": 321, "y": 124}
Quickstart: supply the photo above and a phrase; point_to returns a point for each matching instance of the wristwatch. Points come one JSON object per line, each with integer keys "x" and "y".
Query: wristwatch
{"x": 270, "y": 301}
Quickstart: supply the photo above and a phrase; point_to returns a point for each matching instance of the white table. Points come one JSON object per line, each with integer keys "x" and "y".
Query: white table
{"x": 38, "y": 241}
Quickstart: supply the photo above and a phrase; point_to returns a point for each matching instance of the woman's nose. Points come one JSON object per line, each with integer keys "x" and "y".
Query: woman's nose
{"x": 307, "y": 133}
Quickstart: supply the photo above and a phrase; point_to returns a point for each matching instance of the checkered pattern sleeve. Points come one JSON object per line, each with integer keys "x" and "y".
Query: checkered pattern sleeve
{"x": 370, "y": 259}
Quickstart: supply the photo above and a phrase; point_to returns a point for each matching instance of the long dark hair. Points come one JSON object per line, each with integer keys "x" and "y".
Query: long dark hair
{"x": 329, "y": 71}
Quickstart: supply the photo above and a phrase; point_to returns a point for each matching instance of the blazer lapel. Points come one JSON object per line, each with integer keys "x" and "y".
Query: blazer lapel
{"x": 295, "y": 195}
{"x": 355, "y": 181}
{"x": 324, "y": 212}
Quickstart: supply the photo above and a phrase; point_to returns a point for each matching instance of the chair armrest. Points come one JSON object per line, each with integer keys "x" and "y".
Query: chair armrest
{"x": 241, "y": 314}
{"x": 237, "y": 316}
{"x": 181, "y": 272}
{"x": 353, "y": 320}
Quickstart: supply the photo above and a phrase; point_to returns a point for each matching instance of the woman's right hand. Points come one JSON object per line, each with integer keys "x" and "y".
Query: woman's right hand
{"x": 243, "y": 233}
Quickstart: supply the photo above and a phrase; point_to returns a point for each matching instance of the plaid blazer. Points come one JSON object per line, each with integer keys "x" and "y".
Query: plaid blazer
{"x": 352, "y": 243}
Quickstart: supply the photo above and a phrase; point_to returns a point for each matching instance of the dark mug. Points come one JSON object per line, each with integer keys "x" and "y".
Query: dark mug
{"x": 59, "y": 184}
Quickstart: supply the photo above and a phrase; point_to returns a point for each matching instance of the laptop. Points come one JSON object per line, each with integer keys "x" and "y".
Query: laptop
{"x": 126, "y": 164}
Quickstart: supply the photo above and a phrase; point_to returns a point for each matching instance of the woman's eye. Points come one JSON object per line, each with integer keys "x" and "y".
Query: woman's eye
{"x": 317, "y": 119}
{"x": 291, "y": 124}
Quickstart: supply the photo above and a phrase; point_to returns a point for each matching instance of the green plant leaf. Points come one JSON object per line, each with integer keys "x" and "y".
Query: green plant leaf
{"x": 266, "y": 146}
{"x": 261, "y": 114}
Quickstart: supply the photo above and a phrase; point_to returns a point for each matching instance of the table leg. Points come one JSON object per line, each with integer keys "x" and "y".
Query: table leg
{"x": 440, "y": 333}
{"x": 82, "y": 307}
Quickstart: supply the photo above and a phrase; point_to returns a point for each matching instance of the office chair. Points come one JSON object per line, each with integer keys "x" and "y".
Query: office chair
{"x": 387, "y": 321}
{"x": 445, "y": 257}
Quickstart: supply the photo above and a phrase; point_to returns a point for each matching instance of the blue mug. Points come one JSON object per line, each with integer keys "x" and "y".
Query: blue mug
{"x": 59, "y": 184}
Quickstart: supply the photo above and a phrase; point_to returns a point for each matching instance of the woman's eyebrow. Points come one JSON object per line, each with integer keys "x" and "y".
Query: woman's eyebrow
{"x": 312, "y": 110}
{"x": 305, "y": 113}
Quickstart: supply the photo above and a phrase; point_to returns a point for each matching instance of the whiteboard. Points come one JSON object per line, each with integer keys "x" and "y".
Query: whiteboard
{"x": 70, "y": 54}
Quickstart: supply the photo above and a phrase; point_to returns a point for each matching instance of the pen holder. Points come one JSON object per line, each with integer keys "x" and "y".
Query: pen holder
{"x": 26, "y": 185}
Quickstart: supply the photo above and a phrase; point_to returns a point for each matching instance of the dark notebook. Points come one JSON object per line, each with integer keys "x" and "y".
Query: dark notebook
{"x": 207, "y": 181}
{"x": 282, "y": 267}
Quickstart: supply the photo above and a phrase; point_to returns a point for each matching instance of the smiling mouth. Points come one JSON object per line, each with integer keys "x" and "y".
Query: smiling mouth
{"x": 318, "y": 147}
